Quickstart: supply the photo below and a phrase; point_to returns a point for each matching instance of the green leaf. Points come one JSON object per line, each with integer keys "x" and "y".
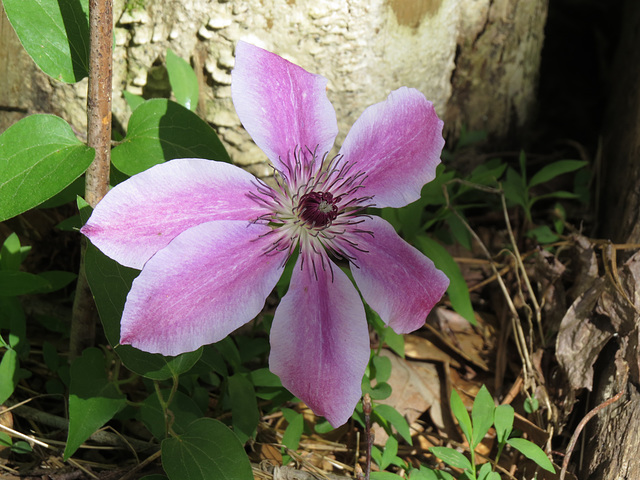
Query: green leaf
{"x": 57, "y": 279}
{"x": 93, "y": 399}
{"x": 39, "y": 157}
{"x": 8, "y": 379}
{"x": 183, "y": 412}
{"x": 293, "y": 432}
{"x": 393, "y": 340}
{"x": 482, "y": 415}
{"x": 396, "y": 419}
{"x": 383, "y": 368}
{"x": 555, "y": 169}
{"x": 10, "y": 254}
{"x": 55, "y": 34}
{"x": 133, "y": 100}
{"x": 531, "y": 404}
{"x": 21, "y": 283}
{"x": 184, "y": 82}
{"x": 244, "y": 407}
{"x": 154, "y": 365}
{"x": 384, "y": 476}
{"x": 263, "y": 377}
{"x": 390, "y": 452}
{"x": 207, "y": 450}
{"x": 161, "y": 130}
{"x": 515, "y": 190}
{"x": 461, "y": 414}
{"x": 451, "y": 457}
{"x": 532, "y": 452}
{"x": 503, "y": 421}
{"x": 458, "y": 290}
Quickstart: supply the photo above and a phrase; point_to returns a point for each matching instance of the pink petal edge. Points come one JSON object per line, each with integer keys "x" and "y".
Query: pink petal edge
{"x": 143, "y": 214}
{"x": 320, "y": 340}
{"x": 281, "y": 105}
{"x": 208, "y": 281}
{"x": 395, "y": 279}
{"x": 397, "y": 143}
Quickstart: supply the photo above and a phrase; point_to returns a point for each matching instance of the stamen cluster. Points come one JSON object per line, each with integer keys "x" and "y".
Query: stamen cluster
{"x": 314, "y": 206}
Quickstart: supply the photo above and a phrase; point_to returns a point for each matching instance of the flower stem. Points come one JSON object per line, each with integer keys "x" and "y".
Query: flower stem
{"x": 84, "y": 315}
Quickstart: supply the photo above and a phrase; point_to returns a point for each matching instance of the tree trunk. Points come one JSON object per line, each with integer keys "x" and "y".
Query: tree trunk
{"x": 613, "y": 439}
{"x": 477, "y": 60}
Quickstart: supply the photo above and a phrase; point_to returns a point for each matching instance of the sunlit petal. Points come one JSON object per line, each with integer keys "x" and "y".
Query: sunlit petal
{"x": 140, "y": 216}
{"x": 320, "y": 341}
{"x": 207, "y": 282}
{"x": 395, "y": 279}
{"x": 281, "y": 105}
{"x": 397, "y": 143}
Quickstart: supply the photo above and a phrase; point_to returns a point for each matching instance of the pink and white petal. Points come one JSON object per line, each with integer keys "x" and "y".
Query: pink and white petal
{"x": 320, "y": 340}
{"x": 397, "y": 143}
{"x": 281, "y": 105}
{"x": 395, "y": 279}
{"x": 143, "y": 214}
{"x": 207, "y": 282}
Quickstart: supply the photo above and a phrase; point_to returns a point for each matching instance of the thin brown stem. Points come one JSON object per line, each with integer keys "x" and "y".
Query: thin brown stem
{"x": 83, "y": 320}
{"x": 367, "y": 408}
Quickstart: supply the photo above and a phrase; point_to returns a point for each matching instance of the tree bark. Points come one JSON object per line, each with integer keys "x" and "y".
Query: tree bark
{"x": 477, "y": 60}
{"x": 613, "y": 440}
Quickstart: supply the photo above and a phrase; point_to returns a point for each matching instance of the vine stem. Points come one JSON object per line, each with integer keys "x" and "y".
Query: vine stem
{"x": 84, "y": 315}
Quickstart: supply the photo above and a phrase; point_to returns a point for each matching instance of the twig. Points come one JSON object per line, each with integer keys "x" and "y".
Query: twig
{"x": 367, "y": 409}
{"x": 83, "y": 319}
{"x": 581, "y": 425}
{"x": 131, "y": 474}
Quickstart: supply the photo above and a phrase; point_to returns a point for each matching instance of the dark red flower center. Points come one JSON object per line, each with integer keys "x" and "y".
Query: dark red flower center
{"x": 318, "y": 209}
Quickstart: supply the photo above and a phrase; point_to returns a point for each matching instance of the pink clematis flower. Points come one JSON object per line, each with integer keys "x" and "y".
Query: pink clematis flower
{"x": 212, "y": 240}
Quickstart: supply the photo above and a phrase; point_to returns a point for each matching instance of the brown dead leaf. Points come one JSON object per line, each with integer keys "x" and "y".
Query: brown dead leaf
{"x": 580, "y": 340}
{"x": 415, "y": 389}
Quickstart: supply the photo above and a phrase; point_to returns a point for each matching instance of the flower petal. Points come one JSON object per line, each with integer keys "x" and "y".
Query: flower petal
{"x": 207, "y": 282}
{"x": 144, "y": 213}
{"x": 281, "y": 105}
{"x": 395, "y": 279}
{"x": 320, "y": 340}
{"x": 398, "y": 144}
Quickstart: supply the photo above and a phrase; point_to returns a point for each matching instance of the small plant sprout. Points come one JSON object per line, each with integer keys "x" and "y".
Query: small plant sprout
{"x": 484, "y": 415}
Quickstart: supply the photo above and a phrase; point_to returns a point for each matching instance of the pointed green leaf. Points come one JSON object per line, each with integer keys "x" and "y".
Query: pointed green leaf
{"x": 503, "y": 421}
{"x": 39, "y": 156}
{"x": 184, "y": 82}
{"x": 21, "y": 283}
{"x": 244, "y": 407}
{"x": 93, "y": 399}
{"x": 133, "y": 100}
{"x": 10, "y": 254}
{"x": 549, "y": 172}
{"x": 389, "y": 453}
{"x": 8, "y": 379}
{"x": 482, "y": 415}
{"x": 161, "y": 130}
{"x": 207, "y": 450}
{"x": 461, "y": 414}
{"x": 293, "y": 432}
{"x": 55, "y": 34}
{"x": 532, "y": 452}
{"x": 458, "y": 290}
{"x": 451, "y": 457}
{"x": 395, "y": 418}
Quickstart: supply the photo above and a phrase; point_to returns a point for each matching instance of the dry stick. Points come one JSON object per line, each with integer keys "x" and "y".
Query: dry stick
{"x": 367, "y": 409}
{"x": 581, "y": 425}
{"x": 83, "y": 319}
